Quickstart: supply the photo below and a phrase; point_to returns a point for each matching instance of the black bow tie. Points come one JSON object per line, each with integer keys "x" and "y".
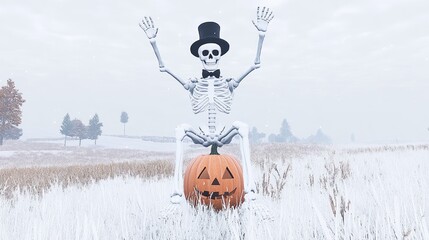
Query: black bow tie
{"x": 207, "y": 74}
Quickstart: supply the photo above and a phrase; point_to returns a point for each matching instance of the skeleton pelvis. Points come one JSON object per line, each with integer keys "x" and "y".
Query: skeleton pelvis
{"x": 205, "y": 130}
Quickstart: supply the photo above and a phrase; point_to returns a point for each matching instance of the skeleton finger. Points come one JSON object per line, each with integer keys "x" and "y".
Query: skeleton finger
{"x": 269, "y": 16}
{"x": 269, "y": 20}
{"x": 151, "y": 22}
{"x": 202, "y": 131}
{"x": 266, "y": 13}
{"x": 222, "y": 130}
{"x": 147, "y": 21}
{"x": 254, "y": 24}
{"x": 258, "y": 13}
{"x": 145, "y": 25}
{"x": 263, "y": 12}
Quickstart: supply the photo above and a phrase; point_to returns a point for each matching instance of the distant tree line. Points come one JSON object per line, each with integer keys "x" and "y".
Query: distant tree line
{"x": 76, "y": 129}
{"x": 285, "y": 135}
{"x": 10, "y": 112}
{"x": 255, "y": 136}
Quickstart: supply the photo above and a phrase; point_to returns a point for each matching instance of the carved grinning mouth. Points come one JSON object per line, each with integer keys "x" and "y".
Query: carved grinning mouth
{"x": 214, "y": 195}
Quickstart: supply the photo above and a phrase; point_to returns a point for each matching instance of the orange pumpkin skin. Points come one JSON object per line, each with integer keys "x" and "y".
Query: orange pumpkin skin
{"x": 215, "y": 180}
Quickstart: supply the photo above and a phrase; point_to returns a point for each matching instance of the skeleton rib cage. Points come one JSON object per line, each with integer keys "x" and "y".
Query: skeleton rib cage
{"x": 212, "y": 94}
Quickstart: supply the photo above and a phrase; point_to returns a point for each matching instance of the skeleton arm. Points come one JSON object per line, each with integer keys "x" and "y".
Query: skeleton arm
{"x": 150, "y": 30}
{"x": 263, "y": 18}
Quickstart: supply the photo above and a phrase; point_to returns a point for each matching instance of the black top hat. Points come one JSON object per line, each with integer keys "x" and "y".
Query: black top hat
{"x": 209, "y": 33}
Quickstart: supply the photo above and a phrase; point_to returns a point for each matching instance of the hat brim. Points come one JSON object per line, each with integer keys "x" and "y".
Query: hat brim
{"x": 224, "y": 45}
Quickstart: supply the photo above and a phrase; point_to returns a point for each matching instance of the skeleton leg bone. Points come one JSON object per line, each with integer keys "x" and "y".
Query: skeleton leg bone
{"x": 180, "y": 135}
{"x": 182, "y": 131}
{"x": 242, "y": 129}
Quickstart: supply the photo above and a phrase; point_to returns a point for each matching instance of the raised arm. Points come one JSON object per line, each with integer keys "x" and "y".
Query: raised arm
{"x": 262, "y": 19}
{"x": 151, "y": 31}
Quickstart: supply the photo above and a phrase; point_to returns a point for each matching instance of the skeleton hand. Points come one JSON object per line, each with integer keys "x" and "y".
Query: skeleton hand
{"x": 148, "y": 27}
{"x": 263, "y": 18}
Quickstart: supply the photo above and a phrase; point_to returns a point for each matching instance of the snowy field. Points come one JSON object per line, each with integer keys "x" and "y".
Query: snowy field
{"x": 48, "y": 152}
{"x": 305, "y": 192}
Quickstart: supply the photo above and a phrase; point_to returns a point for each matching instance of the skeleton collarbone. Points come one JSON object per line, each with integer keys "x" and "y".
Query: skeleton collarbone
{"x": 211, "y": 94}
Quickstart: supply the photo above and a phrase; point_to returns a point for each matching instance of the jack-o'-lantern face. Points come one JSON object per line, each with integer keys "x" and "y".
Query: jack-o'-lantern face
{"x": 214, "y": 180}
{"x": 205, "y": 180}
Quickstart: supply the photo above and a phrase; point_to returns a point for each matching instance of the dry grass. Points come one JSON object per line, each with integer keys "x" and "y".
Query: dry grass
{"x": 335, "y": 175}
{"x": 39, "y": 179}
{"x": 275, "y": 163}
{"x": 273, "y": 180}
{"x": 387, "y": 148}
{"x": 284, "y": 152}
{"x": 317, "y": 192}
{"x": 37, "y": 166}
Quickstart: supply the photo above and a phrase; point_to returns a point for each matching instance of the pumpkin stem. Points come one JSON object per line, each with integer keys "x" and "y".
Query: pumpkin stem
{"x": 214, "y": 150}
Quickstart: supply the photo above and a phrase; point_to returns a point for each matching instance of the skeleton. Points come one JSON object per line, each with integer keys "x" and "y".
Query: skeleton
{"x": 212, "y": 94}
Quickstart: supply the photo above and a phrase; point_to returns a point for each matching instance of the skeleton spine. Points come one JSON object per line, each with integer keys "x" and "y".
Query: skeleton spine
{"x": 212, "y": 119}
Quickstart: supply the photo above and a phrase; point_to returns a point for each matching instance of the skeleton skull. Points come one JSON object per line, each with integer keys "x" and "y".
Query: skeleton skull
{"x": 209, "y": 54}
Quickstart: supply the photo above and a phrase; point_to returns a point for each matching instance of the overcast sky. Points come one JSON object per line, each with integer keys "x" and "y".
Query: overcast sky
{"x": 349, "y": 67}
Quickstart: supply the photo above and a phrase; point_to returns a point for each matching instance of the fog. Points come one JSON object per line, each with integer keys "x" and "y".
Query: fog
{"x": 348, "y": 67}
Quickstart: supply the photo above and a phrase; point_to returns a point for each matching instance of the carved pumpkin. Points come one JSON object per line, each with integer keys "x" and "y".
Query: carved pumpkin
{"x": 215, "y": 180}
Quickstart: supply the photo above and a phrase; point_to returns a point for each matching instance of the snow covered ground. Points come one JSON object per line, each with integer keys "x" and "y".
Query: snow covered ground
{"x": 376, "y": 192}
{"x": 49, "y": 152}
{"x": 121, "y": 143}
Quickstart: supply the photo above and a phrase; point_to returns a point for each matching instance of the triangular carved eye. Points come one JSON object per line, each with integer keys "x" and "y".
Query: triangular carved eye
{"x": 204, "y": 174}
{"x": 227, "y": 174}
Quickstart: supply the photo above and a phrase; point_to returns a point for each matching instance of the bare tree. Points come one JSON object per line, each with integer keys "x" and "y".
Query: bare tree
{"x": 78, "y": 130}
